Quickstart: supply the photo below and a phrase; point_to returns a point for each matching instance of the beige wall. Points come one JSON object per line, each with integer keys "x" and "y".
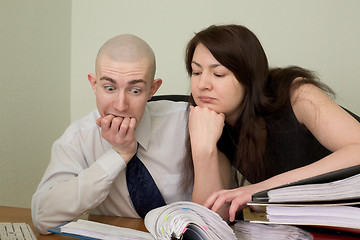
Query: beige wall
{"x": 34, "y": 92}
{"x": 322, "y": 35}
{"x": 48, "y": 47}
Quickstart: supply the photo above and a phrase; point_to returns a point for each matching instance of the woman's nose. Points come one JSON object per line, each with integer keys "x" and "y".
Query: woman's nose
{"x": 204, "y": 82}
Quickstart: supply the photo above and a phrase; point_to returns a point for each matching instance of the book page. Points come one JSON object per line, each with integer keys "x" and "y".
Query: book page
{"x": 175, "y": 219}
{"x": 338, "y": 190}
{"x": 338, "y": 216}
{"x": 151, "y": 218}
{"x": 104, "y": 231}
{"x": 247, "y": 230}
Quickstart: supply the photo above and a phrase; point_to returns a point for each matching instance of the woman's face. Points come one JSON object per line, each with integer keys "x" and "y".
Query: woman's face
{"x": 214, "y": 86}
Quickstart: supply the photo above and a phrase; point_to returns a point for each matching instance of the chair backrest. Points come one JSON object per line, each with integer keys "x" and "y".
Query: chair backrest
{"x": 175, "y": 98}
{"x": 185, "y": 98}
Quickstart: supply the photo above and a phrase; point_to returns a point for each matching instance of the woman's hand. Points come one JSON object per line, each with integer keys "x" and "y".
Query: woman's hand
{"x": 205, "y": 127}
{"x": 238, "y": 198}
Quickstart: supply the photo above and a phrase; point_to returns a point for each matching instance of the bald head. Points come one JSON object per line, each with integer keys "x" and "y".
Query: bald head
{"x": 127, "y": 48}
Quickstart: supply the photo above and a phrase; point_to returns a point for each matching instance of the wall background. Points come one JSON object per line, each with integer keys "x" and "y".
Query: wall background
{"x": 34, "y": 91}
{"x": 320, "y": 35}
{"x": 49, "y": 46}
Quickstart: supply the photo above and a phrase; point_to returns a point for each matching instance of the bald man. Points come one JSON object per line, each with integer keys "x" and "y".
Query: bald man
{"x": 87, "y": 171}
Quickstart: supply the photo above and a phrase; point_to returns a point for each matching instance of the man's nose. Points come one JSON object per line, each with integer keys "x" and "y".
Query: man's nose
{"x": 121, "y": 103}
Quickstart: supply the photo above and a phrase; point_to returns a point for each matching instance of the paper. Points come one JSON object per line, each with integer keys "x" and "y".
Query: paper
{"x": 255, "y": 231}
{"x": 175, "y": 219}
{"x": 180, "y": 220}
{"x": 337, "y": 216}
{"x": 337, "y": 190}
{"x": 104, "y": 231}
{"x": 346, "y": 189}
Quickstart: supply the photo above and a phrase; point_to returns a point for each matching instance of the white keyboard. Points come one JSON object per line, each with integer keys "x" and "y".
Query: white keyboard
{"x": 16, "y": 231}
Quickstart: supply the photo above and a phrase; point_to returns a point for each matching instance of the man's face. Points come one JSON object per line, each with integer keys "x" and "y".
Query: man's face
{"x": 122, "y": 89}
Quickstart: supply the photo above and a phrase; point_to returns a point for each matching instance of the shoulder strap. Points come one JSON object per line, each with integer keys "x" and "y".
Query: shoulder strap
{"x": 352, "y": 114}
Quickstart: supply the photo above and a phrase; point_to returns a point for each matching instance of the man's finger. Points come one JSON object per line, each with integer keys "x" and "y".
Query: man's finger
{"x": 98, "y": 121}
{"x": 106, "y": 122}
{"x": 124, "y": 127}
{"x": 116, "y": 123}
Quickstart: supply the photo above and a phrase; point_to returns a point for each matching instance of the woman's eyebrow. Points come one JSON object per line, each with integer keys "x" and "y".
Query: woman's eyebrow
{"x": 211, "y": 65}
{"x": 197, "y": 64}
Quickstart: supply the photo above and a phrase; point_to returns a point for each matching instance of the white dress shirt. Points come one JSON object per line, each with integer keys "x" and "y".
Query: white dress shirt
{"x": 86, "y": 174}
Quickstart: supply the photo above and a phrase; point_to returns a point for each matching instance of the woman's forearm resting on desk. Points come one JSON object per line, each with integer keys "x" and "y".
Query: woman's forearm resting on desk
{"x": 240, "y": 196}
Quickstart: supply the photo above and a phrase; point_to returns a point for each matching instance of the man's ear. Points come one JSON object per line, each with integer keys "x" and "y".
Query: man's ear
{"x": 92, "y": 80}
{"x": 154, "y": 87}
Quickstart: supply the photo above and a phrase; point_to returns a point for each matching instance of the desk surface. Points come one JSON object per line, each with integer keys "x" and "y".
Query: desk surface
{"x": 14, "y": 214}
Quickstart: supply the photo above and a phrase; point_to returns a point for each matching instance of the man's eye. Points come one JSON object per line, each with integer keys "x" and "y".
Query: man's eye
{"x": 109, "y": 88}
{"x": 219, "y": 75}
{"x": 135, "y": 90}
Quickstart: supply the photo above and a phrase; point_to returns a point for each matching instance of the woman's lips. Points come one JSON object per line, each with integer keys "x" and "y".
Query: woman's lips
{"x": 206, "y": 99}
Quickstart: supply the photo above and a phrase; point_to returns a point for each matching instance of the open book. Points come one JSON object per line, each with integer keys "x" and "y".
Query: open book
{"x": 179, "y": 220}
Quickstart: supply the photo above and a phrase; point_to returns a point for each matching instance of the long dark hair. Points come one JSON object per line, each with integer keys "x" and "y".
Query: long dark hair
{"x": 267, "y": 91}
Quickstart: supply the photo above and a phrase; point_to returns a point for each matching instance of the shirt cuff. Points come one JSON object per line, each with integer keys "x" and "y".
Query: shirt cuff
{"x": 112, "y": 163}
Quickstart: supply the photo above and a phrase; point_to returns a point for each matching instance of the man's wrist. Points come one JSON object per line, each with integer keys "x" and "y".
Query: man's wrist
{"x": 111, "y": 162}
{"x": 125, "y": 156}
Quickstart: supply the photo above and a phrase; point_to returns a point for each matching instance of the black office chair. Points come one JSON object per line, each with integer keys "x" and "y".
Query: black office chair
{"x": 175, "y": 98}
{"x": 185, "y": 98}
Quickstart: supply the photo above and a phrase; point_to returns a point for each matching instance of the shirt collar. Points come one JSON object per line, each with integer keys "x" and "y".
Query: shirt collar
{"x": 142, "y": 131}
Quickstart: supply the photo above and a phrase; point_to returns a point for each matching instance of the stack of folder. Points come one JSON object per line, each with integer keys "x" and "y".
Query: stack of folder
{"x": 330, "y": 201}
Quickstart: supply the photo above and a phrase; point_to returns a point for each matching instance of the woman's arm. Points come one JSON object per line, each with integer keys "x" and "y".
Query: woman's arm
{"x": 212, "y": 170}
{"x": 332, "y": 126}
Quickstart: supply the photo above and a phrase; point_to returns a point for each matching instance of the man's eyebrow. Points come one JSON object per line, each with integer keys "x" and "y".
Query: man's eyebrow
{"x": 132, "y": 82}
{"x": 135, "y": 81}
{"x": 108, "y": 79}
{"x": 211, "y": 66}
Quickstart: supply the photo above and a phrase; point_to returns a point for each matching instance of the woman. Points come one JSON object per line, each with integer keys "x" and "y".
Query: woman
{"x": 274, "y": 125}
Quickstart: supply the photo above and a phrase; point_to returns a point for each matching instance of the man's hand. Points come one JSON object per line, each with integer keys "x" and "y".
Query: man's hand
{"x": 119, "y": 132}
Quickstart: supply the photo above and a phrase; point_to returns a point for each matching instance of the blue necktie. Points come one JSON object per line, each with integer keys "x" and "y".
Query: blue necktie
{"x": 143, "y": 191}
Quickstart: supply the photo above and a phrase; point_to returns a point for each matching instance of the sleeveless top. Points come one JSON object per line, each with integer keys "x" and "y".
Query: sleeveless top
{"x": 289, "y": 145}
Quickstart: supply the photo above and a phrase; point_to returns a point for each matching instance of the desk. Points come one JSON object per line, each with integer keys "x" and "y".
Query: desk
{"x": 14, "y": 214}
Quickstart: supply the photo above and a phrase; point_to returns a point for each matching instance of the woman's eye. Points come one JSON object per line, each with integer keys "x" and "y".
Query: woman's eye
{"x": 219, "y": 75}
{"x": 195, "y": 73}
{"x": 109, "y": 88}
